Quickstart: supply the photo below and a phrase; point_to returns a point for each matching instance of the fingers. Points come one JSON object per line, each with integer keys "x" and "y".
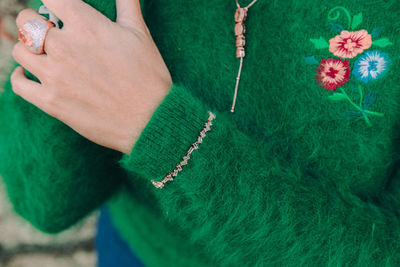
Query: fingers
{"x": 129, "y": 13}
{"x": 29, "y": 90}
{"x": 73, "y": 12}
{"x": 36, "y": 64}
{"x": 25, "y": 15}
{"x": 54, "y": 44}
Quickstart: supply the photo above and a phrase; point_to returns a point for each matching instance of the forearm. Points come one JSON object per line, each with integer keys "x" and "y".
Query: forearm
{"x": 53, "y": 175}
{"x": 245, "y": 202}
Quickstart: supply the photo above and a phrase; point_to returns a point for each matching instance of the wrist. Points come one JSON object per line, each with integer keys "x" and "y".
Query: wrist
{"x": 128, "y": 144}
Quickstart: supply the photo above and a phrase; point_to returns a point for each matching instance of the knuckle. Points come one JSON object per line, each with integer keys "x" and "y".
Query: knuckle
{"x": 81, "y": 18}
{"x": 51, "y": 105}
{"x": 53, "y": 46}
{"x": 20, "y": 17}
{"x": 72, "y": 14}
{"x": 50, "y": 101}
{"x": 91, "y": 32}
{"x": 51, "y": 73}
{"x": 77, "y": 19}
{"x": 23, "y": 15}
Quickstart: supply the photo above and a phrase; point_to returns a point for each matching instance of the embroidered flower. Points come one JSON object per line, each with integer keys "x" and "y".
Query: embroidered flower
{"x": 371, "y": 66}
{"x": 350, "y": 44}
{"x": 333, "y": 73}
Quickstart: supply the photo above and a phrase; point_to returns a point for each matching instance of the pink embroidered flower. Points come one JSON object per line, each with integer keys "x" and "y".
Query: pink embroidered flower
{"x": 350, "y": 44}
{"x": 333, "y": 73}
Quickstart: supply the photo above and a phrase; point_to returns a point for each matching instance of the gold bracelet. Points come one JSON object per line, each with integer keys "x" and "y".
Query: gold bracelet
{"x": 194, "y": 146}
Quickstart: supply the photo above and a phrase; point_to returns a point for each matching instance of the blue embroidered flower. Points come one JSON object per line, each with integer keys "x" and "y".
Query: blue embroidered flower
{"x": 371, "y": 65}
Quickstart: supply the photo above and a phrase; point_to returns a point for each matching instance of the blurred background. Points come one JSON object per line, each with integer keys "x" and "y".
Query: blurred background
{"x": 21, "y": 245}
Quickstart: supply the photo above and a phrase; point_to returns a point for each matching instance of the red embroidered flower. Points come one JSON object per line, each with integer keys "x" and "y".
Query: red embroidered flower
{"x": 350, "y": 44}
{"x": 333, "y": 73}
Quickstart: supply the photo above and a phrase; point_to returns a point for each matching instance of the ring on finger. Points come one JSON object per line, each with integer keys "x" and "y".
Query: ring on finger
{"x": 33, "y": 34}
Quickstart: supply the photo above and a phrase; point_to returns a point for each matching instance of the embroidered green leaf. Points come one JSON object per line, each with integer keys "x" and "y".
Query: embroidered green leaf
{"x": 337, "y": 97}
{"x": 357, "y": 20}
{"x": 336, "y": 27}
{"x": 320, "y": 43}
{"x": 369, "y": 99}
{"x": 377, "y": 32}
{"x": 383, "y": 42}
{"x": 311, "y": 60}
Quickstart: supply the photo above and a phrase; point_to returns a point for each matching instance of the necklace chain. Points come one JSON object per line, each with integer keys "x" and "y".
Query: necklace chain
{"x": 240, "y": 17}
{"x": 237, "y": 4}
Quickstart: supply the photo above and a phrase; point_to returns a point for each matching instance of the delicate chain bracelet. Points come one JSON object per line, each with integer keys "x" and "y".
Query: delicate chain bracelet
{"x": 194, "y": 146}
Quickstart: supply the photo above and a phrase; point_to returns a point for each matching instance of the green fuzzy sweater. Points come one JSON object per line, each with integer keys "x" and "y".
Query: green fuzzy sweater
{"x": 305, "y": 172}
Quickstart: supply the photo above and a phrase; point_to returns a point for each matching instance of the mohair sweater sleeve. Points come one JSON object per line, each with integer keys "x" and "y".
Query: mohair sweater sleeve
{"x": 244, "y": 205}
{"x": 53, "y": 175}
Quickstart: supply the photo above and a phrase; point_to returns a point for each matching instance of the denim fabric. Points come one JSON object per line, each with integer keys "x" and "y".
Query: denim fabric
{"x": 112, "y": 250}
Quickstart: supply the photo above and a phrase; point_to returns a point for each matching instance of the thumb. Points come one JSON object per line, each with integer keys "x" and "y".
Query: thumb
{"x": 129, "y": 13}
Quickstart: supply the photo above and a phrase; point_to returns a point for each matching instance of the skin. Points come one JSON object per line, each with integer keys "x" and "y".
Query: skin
{"x": 103, "y": 79}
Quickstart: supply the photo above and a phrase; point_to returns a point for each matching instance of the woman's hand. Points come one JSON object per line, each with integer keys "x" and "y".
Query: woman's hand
{"x": 104, "y": 79}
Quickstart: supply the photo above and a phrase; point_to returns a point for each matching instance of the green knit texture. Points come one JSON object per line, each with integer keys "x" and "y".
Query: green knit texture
{"x": 303, "y": 173}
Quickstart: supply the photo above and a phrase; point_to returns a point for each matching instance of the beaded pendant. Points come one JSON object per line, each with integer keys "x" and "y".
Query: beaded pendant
{"x": 240, "y": 30}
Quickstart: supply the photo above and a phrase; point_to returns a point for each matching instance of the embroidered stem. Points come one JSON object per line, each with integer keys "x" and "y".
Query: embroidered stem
{"x": 373, "y": 113}
{"x": 361, "y": 94}
{"x": 357, "y": 107}
{"x": 336, "y": 9}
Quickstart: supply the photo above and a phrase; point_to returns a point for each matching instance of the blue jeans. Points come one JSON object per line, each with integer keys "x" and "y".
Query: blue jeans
{"x": 112, "y": 250}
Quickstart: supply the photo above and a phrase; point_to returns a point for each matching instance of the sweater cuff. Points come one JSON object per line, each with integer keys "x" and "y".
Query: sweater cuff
{"x": 173, "y": 128}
